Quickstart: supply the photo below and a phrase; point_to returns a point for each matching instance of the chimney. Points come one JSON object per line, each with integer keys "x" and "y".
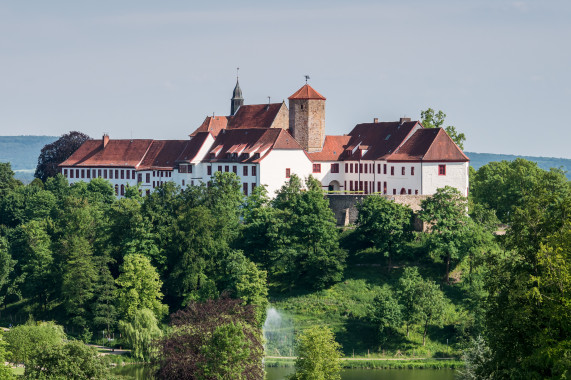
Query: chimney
{"x": 376, "y": 120}
{"x": 105, "y": 140}
{"x": 404, "y": 119}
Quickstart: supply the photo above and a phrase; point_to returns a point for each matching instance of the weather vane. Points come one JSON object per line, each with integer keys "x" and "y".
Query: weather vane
{"x": 306, "y": 78}
{"x": 269, "y": 100}
{"x": 237, "y": 72}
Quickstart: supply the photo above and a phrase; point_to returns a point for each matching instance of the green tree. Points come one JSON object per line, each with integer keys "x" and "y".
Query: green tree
{"x": 140, "y": 333}
{"x": 226, "y": 353}
{"x": 69, "y": 360}
{"x": 318, "y": 355}
{"x": 139, "y": 288}
{"x": 385, "y": 225}
{"x": 5, "y": 370}
{"x": 386, "y": 312}
{"x": 432, "y": 119}
{"x": 7, "y": 180}
{"x": 311, "y": 249}
{"x": 445, "y": 212}
{"x": 104, "y": 310}
{"x": 24, "y": 341}
{"x": 57, "y": 152}
{"x": 408, "y": 286}
{"x": 6, "y": 269}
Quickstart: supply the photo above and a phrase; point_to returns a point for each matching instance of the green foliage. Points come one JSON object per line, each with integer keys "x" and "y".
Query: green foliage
{"x": 7, "y": 180}
{"x": 6, "y": 268}
{"x": 55, "y": 153}
{"x": 5, "y": 370}
{"x": 430, "y": 119}
{"x": 477, "y": 358}
{"x": 25, "y": 341}
{"x": 140, "y": 332}
{"x": 70, "y": 360}
{"x": 385, "y": 225}
{"x": 386, "y": 312}
{"x": 445, "y": 214}
{"x": 104, "y": 310}
{"x": 139, "y": 288}
{"x": 318, "y": 355}
{"x": 226, "y": 353}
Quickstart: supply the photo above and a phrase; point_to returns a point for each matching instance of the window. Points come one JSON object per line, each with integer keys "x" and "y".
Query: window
{"x": 122, "y": 174}
{"x": 122, "y": 189}
{"x": 288, "y": 172}
{"x": 190, "y": 168}
{"x": 392, "y": 170}
{"x": 71, "y": 173}
{"x": 416, "y": 192}
{"x": 226, "y": 168}
{"x": 403, "y": 170}
{"x": 384, "y": 168}
{"x": 219, "y": 168}
{"x": 99, "y": 173}
{"x": 394, "y": 191}
{"x": 110, "y": 174}
{"x": 235, "y": 169}
{"x": 379, "y": 187}
{"x": 346, "y": 168}
{"x": 412, "y": 170}
{"x": 183, "y": 183}
{"x": 148, "y": 177}
{"x": 154, "y": 184}
{"x": 378, "y": 168}
{"x": 350, "y": 185}
{"x": 345, "y": 186}
{"x": 209, "y": 170}
{"x": 441, "y": 169}
{"x": 317, "y": 168}
{"x": 183, "y": 169}
{"x": 360, "y": 168}
{"x": 82, "y": 173}
{"x": 254, "y": 171}
{"x": 253, "y": 186}
{"x": 105, "y": 173}
{"x": 245, "y": 187}
{"x": 409, "y": 191}
{"x": 88, "y": 172}
{"x": 351, "y": 168}
{"x": 140, "y": 177}
{"x": 334, "y": 168}
{"x": 385, "y": 187}
{"x": 366, "y": 168}
{"x": 65, "y": 172}
{"x": 132, "y": 174}
{"x": 245, "y": 171}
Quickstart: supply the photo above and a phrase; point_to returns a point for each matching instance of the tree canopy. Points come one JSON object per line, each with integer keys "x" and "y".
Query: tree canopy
{"x": 57, "y": 152}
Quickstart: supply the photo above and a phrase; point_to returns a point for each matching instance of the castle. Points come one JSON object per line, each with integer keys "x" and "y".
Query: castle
{"x": 264, "y": 144}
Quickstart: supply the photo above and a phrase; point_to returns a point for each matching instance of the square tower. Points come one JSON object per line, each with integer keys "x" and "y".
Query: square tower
{"x": 307, "y": 118}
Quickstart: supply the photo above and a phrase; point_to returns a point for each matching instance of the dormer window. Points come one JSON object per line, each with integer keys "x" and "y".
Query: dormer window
{"x": 256, "y": 155}
{"x": 234, "y": 156}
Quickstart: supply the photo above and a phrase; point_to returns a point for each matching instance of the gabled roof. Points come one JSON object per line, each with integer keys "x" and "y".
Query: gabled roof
{"x": 212, "y": 124}
{"x": 333, "y": 148}
{"x": 307, "y": 92}
{"x": 377, "y": 140}
{"x": 139, "y": 154}
{"x": 245, "y": 143}
{"x": 122, "y": 153}
{"x": 254, "y": 116}
{"x": 432, "y": 144}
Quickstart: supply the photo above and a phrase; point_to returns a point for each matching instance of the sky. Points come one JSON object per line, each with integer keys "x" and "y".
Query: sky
{"x": 500, "y": 70}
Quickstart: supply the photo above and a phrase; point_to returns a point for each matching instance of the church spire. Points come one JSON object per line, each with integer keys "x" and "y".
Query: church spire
{"x": 237, "y": 99}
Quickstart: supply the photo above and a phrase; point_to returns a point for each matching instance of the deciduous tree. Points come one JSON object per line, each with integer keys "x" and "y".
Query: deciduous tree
{"x": 431, "y": 119}
{"x": 57, "y": 152}
{"x": 318, "y": 355}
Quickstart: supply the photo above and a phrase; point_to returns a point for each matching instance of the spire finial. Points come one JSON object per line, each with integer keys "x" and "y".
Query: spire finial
{"x": 306, "y": 78}
{"x": 237, "y": 73}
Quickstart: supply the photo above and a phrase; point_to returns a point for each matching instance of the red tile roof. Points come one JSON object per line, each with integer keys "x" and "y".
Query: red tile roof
{"x": 431, "y": 144}
{"x": 254, "y": 116}
{"x": 377, "y": 140}
{"x": 125, "y": 153}
{"x": 333, "y": 148}
{"x": 245, "y": 143}
{"x": 212, "y": 124}
{"x": 139, "y": 154}
{"x": 307, "y": 92}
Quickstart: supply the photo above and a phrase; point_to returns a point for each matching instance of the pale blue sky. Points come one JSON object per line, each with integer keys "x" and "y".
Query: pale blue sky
{"x": 501, "y": 70}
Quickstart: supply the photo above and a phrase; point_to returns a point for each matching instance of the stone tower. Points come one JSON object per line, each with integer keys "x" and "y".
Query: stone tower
{"x": 237, "y": 99}
{"x": 307, "y": 118}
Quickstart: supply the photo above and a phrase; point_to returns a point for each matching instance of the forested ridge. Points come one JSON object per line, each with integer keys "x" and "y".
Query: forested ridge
{"x": 148, "y": 268}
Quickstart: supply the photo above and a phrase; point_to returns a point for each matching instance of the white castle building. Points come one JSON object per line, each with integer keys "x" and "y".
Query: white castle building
{"x": 265, "y": 144}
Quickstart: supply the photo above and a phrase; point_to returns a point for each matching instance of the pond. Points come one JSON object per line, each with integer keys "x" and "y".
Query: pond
{"x": 140, "y": 372}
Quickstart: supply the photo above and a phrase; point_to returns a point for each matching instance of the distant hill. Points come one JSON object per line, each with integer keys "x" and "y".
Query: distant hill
{"x": 480, "y": 159}
{"x": 23, "y": 151}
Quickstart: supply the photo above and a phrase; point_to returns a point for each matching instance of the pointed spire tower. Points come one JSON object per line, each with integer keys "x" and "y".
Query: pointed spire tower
{"x": 237, "y": 99}
{"x": 307, "y": 118}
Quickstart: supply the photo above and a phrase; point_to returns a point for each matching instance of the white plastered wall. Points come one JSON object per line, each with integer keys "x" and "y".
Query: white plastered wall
{"x": 273, "y": 168}
{"x": 456, "y": 176}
